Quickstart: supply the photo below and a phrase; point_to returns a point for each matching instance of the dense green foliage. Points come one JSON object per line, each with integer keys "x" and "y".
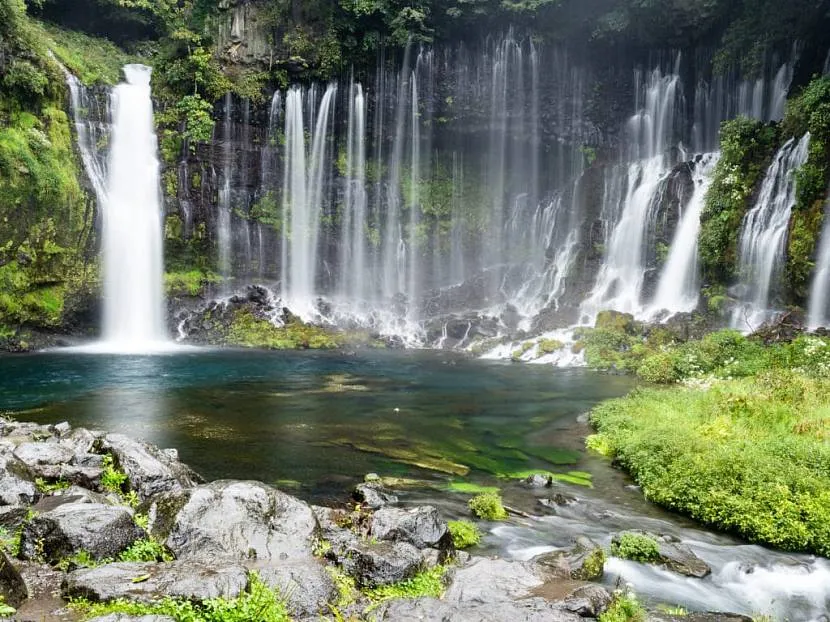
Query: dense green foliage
{"x": 488, "y": 506}
{"x": 714, "y": 449}
{"x": 44, "y": 214}
{"x": 746, "y": 147}
{"x": 259, "y": 603}
{"x": 464, "y": 534}
{"x": 624, "y": 608}
{"x": 427, "y": 583}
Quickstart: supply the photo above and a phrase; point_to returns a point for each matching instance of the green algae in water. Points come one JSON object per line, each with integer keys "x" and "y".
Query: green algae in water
{"x": 579, "y": 478}
{"x": 470, "y": 488}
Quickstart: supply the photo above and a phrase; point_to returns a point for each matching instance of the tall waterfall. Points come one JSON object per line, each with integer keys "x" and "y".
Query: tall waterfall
{"x": 819, "y": 310}
{"x": 620, "y": 281}
{"x": 679, "y": 287}
{"x": 132, "y": 232}
{"x": 304, "y": 197}
{"x": 764, "y": 233}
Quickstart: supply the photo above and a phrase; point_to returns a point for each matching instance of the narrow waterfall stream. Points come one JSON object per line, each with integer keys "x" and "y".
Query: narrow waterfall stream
{"x": 679, "y": 287}
{"x": 763, "y": 235}
{"x": 819, "y": 311}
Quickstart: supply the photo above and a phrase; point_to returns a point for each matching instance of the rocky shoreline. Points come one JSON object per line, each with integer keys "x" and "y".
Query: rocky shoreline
{"x": 94, "y": 517}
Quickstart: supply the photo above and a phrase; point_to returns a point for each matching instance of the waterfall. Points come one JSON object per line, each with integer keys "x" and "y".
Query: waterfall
{"x": 304, "y": 196}
{"x": 620, "y": 281}
{"x": 89, "y": 134}
{"x": 679, "y": 287}
{"x": 132, "y": 232}
{"x": 353, "y": 270}
{"x": 818, "y": 315}
{"x": 223, "y": 216}
{"x": 764, "y": 233}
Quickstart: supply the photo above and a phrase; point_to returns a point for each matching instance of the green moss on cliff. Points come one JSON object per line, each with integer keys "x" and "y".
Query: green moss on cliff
{"x": 250, "y": 331}
{"x": 746, "y": 147}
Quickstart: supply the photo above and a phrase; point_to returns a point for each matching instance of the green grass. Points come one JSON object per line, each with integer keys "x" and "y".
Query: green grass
{"x": 146, "y": 550}
{"x": 749, "y": 455}
{"x": 428, "y": 583}
{"x": 464, "y": 534}
{"x": 259, "y": 603}
{"x": 93, "y": 59}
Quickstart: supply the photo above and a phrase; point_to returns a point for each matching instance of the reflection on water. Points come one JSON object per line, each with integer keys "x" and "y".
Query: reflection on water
{"x": 322, "y": 419}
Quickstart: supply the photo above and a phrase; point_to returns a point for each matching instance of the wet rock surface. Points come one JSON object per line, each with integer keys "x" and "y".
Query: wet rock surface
{"x": 234, "y": 519}
{"x": 674, "y": 555}
{"x": 148, "y": 582}
{"x": 102, "y": 531}
{"x": 219, "y": 533}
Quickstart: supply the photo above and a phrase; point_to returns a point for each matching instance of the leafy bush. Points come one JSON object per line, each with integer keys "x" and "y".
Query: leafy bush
{"x": 146, "y": 550}
{"x": 624, "y": 608}
{"x": 464, "y": 534}
{"x": 112, "y": 479}
{"x": 592, "y": 568}
{"x": 715, "y": 452}
{"x": 549, "y": 346}
{"x": 636, "y": 547}
{"x": 488, "y": 506}
{"x": 428, "y": 583}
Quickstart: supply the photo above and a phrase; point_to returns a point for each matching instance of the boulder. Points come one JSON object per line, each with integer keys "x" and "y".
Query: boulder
{"x": 305, "y": 585}
{"x": 382, "y": 563}
{"x": 587, "y": 601}
{"x": 12, "y": 586}
{"x": 148, "y": 582}
{"x": 234, "y": 519}
{"x": 585, "y": 561}
{"x": 528, "y": 610}
{"x": 373, "y": 495}
{"x": 421, "y": 526}
{"x": 150, "y": 470}
{"x": 44, "y": 459}
{"x": 101, "y": 530}
{"x": 15, "y": 490}
{"x": 491, "y": 580}
{"x": 80, "y": 441}
{"x": 674, "y": 555}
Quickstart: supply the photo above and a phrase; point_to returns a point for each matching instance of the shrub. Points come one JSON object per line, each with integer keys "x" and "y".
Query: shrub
{"x": 624, "y": 608}
{"x": 464, "y": 534}
{"x": 659, "y": 368}
{"x": 549, "y": 346}
{"x": 488, "y": 506}
{"x": 429, "y": 583}
{"x": 593, "y": 567}
{"x": 112, "y": 479}
{"x": 146, "y": 550}
{"x": 636, "y": 547}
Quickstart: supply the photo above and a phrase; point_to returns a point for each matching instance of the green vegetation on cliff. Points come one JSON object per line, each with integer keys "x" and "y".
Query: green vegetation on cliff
{"x": 714, "y": 448}
{"x": 45, "y": 216}
{"x": 809, "y": 111}
{"x": 746, "y": 147}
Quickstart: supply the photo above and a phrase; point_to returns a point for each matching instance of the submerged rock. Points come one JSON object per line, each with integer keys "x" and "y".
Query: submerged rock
{"x": 235, "y": 519}
{"x": 148, "y": 582}
{"x": 421, "y": 526}
{"x": 101, "y": 530}
{"x": 150, "y": 470}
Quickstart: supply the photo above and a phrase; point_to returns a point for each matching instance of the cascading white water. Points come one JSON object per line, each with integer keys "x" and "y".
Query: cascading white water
{"x": 132, "y": 232}
{"x": 304, "y": 198}
{"x": 223, "y": 215}
{"x": 679, "y": 287}
{"x": 88, "y": 134}
{"x": 620, "y": 281}
{"x": 764, "y": 233}
{"x": 819, "y": 303}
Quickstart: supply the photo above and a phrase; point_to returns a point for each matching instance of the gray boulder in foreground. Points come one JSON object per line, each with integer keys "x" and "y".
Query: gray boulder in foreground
{"x": 420, "y": 526}
{"x": 306, "y": 586}
{"x": 101, "y": 530}
{"x": 150, "y": 470}
{"x": 148, "y": 582}
{"x": 236, "y": 520}
{"x": 433, "y": 610}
